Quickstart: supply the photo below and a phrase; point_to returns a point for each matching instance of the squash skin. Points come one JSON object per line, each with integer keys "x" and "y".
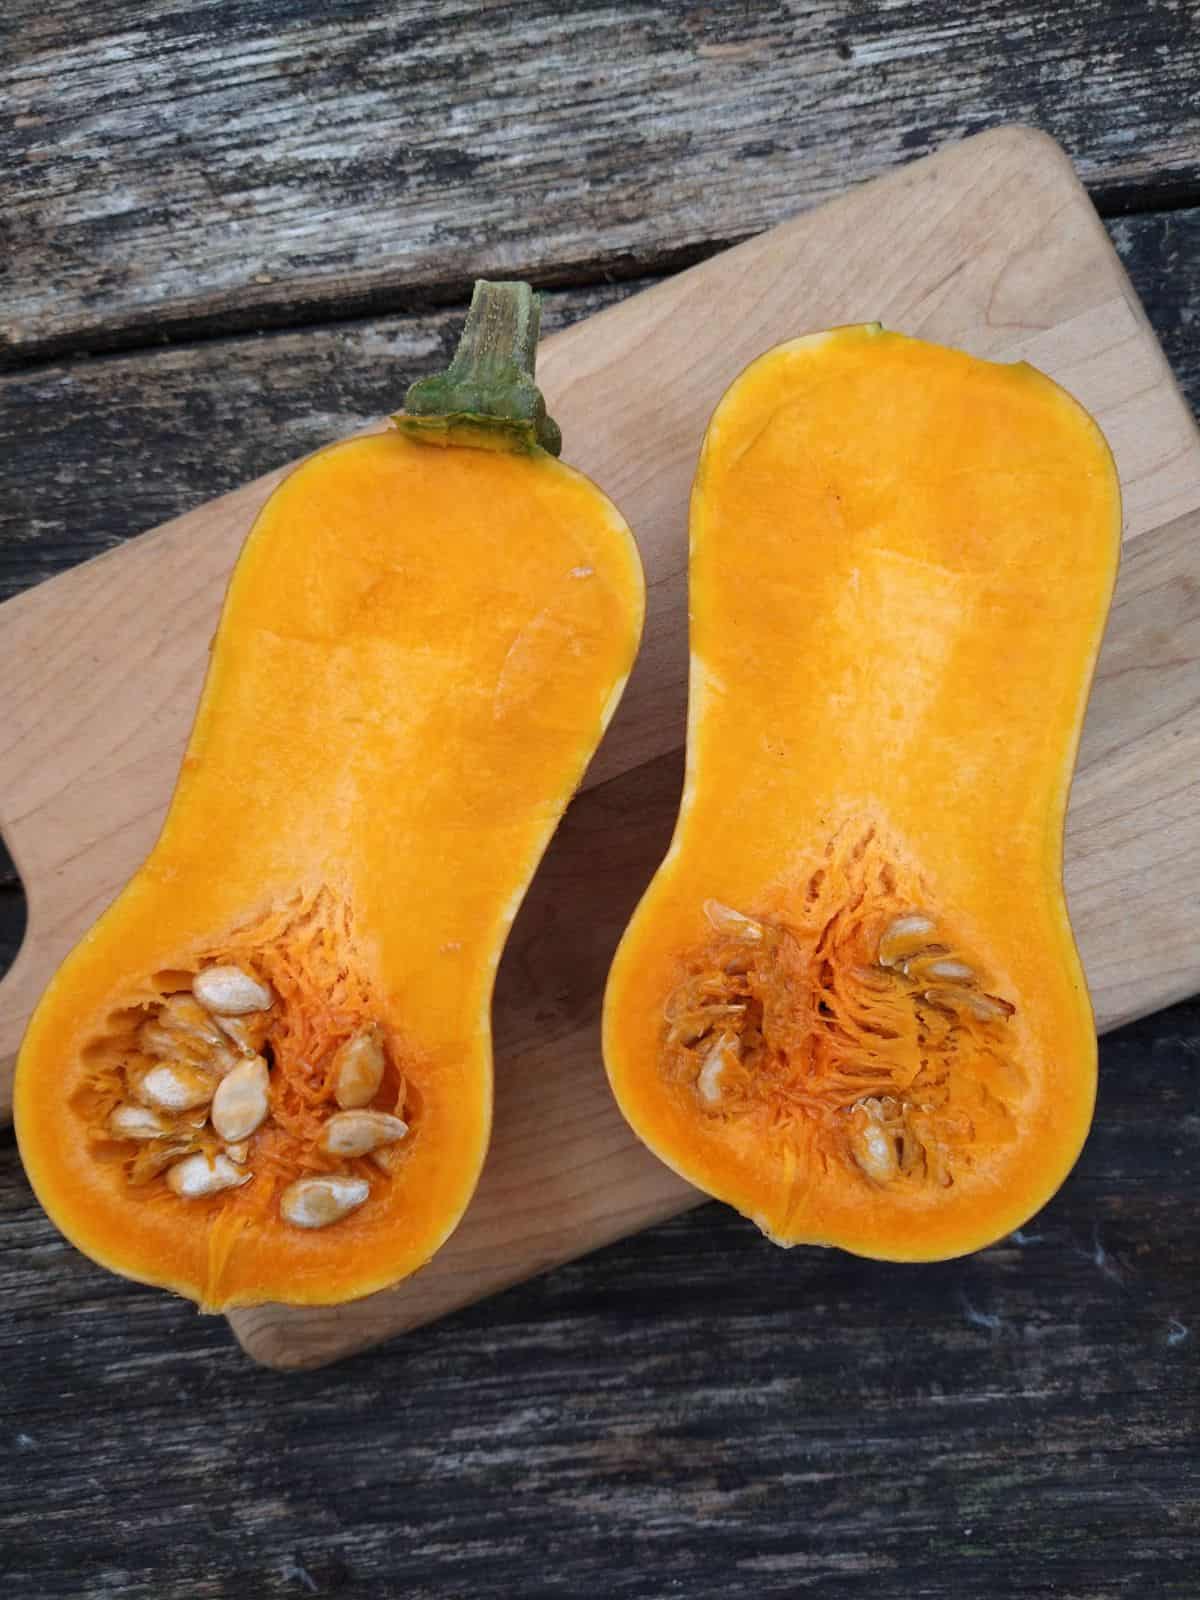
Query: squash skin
{"x": 880, "y": 647}
{"x": 419, "y": 651}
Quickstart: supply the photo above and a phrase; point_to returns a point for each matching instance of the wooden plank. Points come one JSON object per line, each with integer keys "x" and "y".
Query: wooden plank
{"x": 689, "y": 1412}
{"x": 1159, "y": 251}
{"x": 192, "y": 167}
{"x": 93, "y": 451}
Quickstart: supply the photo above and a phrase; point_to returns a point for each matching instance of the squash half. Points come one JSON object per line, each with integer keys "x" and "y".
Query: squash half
{"x": 850, "y": 1003}
{"x": 424, "y": 637}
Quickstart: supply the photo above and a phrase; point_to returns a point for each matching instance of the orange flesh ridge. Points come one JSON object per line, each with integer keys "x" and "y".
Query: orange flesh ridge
{"x": 418, "y": 654}
{"x": 901, "y": 563}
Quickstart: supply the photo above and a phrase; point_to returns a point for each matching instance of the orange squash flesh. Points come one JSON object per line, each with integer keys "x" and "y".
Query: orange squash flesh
{"x": 418, "y": 653}
{"x": 901, "y": 563}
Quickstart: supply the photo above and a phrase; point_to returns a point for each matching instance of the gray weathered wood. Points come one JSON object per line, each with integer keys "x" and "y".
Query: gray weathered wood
{"x": 689, "y": 1412}
{"x": 94, "y": 451}
{"x": 190, "y": 166}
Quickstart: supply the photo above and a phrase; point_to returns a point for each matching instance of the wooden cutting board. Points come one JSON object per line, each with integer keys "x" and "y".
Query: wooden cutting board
{"x": 991, "y": 245}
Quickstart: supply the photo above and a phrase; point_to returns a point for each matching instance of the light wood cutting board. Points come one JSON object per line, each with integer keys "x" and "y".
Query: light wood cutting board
{"x": 991, "y": 245}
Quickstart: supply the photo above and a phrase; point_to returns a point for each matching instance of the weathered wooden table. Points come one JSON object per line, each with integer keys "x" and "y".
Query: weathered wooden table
{"x": 233, "y": 233}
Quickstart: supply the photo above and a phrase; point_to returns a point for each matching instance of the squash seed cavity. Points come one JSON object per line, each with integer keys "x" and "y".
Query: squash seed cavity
{"x": 848, "y": 1020}
{"x": 271, "y": 1064}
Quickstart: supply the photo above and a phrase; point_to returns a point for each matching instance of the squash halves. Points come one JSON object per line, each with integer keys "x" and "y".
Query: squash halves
{"x": 419, "y": 650}
{"x": 850, "y": 1003}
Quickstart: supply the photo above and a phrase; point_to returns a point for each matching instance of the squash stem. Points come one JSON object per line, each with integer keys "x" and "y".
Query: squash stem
{"x": 487, "y": 398}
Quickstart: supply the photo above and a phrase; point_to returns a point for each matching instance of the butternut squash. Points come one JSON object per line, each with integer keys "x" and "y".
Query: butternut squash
{"x": 850, "y": 1003}
{"x": 265, "y": 1074}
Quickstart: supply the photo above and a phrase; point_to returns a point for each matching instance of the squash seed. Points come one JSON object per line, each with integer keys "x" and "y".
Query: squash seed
{"x": 987, "y": 1007}
{"x": 240, "y": 1104}
{"x": 903, "y": 937}
{"x": 872, "y": 1146}
{"x": 176, "y": 1086}
{"x": 182, "y": 1027}
{"x": 137, "y": 1122}
{"x": 248, "y": 1033}
{"x": 239, "y": 1152}
{"x": 316, "y": 1202}
{"x": 197, "y": 1176}
{"x": 230, "y": 991}
{"x": 956, "y": 971}
{"x": 357, "y": 1133}
{"x": 708, "y": 1083}
{"x": 358, "y": 1069}
{"x": 726, "y": 920}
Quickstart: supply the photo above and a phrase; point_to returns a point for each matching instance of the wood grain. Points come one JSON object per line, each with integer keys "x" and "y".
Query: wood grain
{"x": 187, "y": 167}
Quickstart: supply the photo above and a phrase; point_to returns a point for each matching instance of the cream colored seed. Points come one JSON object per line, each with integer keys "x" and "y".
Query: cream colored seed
{"x": 913, "y": 922}
{"x": 183, "y": 1014}
{"x": 240, "y": 1104}
{"x": 316, "y": 1202}
{"x": 358, "y": 1069}
{"x": 230, "y": 991}
{"x": 219, "y": 1057}
{"x": 902, "y": 936}
{"x": 708, "y": 1084}
{"x": 176, "y": 1087}
{"x": 875, "y": 1153}
{"x": 726, "y": 920}
{"x": 357, "y": 1133}
{"x": 137, "y": 1122}
{"x": 958, "y": 971}
{"x": 871, "y": 1145}
{"x": 984, "y": 1006}
{"x": 248, "y": 1033}
{"x": 239, "y": 1152}
{"x": 182, "y": 1029}
{"x": 197, "y": 1176}
{"x": 988, "y": 1007}
{"x": 156, "y": 1040}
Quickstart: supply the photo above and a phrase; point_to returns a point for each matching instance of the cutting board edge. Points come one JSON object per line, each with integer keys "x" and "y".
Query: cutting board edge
{"x": 257, "y": 1327}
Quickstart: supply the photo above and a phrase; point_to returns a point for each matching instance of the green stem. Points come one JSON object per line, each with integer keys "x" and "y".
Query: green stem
{"x": 487, "y": 397}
